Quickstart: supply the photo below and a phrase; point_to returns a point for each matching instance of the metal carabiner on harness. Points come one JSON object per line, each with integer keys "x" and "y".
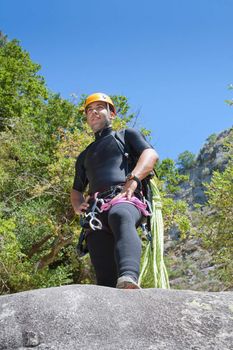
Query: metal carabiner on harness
{"x": 101, "y": 201}
{"x": 146, "y": 232}
{"x": 94, "y": 222}
{"x": 148, "y": 206}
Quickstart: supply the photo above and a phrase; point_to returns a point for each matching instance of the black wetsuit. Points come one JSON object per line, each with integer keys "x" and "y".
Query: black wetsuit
{"x": 115, "y": 250}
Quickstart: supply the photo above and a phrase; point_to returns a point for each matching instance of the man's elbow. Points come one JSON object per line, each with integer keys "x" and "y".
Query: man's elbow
{"x": 156, "y": 156}
{"x": 153, "y": 155}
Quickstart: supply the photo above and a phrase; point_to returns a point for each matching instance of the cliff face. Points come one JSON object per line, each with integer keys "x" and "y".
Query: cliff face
{"x": 93, "y": 317}
{"x": 214, "y": 155}
{"x": 190, "y": 265}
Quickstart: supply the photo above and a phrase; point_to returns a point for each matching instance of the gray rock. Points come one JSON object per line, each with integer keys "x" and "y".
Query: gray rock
{"x": 174, "y": 232}
{"x": 214, "y": 155}
{"x": 92, "y": 317}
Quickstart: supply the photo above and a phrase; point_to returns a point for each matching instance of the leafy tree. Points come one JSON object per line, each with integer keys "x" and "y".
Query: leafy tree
{"x": 175, "y": 212}
{"x": 3, "y": 39}
{"x": 230, "y": 102}
{"x": 185, "y": 161}
{"x": 22, "y": 90}
{"x": 41, "y": 134}
{"x": 169, "y": 174}
{"x": 217, "y": 224}
{"x": 211, "y": 139}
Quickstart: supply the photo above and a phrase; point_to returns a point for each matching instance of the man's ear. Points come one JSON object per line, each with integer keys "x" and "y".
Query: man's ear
{"x": 112, "y": 115}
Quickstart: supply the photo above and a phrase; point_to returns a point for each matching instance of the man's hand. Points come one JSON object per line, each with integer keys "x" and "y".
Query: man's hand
{"x": 144, "y": 166}
{"x": 82, "y": 208}
{"x": 79, "y": 203}
{"x": 127, "y": 190}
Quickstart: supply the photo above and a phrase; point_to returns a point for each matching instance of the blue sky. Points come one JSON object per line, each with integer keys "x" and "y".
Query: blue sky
{"x": 172, "y": 59}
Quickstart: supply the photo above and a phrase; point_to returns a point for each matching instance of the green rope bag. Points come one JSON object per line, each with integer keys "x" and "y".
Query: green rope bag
{"x": 153, "y": 271}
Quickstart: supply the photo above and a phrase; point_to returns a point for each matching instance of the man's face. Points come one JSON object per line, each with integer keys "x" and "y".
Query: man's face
{"x": 98, "y": 116}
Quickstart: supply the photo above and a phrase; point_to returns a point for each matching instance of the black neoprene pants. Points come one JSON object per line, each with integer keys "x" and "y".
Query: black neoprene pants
{"x": 115, "y": 250}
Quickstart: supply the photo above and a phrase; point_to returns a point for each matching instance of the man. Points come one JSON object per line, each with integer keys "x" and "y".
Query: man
{"x": 115, "y": 249}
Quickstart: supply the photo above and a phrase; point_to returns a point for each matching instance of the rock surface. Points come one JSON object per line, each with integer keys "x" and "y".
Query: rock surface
{"x": 191, "y": 266}
{"x": 214, "y": 155}
{"x": 92, "y": 317}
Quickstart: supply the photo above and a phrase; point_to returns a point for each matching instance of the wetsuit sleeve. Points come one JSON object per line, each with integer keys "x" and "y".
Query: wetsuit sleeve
{"x": 136, "y": 141}
{"x": 80, "y": 179}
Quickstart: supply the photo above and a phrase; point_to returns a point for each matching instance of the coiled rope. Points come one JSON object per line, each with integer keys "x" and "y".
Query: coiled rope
{"x": 153, "y": 271}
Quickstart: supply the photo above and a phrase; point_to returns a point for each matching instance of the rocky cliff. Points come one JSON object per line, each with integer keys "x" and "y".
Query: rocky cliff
{"x": 214, "y": 155}
{"x": 190, "y": 265}
{"x": 92, "y": 318}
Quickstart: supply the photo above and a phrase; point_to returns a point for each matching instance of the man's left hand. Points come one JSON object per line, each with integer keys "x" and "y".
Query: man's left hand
{"x": 127, "y": 190}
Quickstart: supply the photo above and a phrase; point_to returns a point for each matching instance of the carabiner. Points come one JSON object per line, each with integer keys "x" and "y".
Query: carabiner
{"x": 148, "y": 206}
{"x": 101, "y": 201}
{"x": 146, "y": 232}
{"x": 94, "y": 226}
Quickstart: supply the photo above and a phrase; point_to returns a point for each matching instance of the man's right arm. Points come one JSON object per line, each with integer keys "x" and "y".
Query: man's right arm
{"x": 78, "y": 202}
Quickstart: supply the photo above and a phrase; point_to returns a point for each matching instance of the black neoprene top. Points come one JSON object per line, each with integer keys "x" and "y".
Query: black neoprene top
{"x": 102, "y": 164}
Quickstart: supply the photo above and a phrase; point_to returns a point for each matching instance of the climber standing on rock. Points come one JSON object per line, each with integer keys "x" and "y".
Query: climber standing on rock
{"x": 114, "y": 206}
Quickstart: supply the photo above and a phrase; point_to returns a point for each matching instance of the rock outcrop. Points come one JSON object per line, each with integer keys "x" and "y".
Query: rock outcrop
{"x": 190, "y": 265}
{"x": 214, "y": 155}
{"x": 92, "y": 318}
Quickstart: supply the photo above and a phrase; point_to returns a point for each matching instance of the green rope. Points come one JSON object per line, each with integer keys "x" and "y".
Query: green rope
{"x": 153, "y": 272}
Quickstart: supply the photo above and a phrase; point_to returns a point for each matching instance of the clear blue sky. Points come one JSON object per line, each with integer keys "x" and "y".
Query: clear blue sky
{"x": 172, "y": 59}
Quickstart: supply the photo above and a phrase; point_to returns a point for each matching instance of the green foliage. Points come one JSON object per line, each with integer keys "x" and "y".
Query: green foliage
{"x": 185, "y": 161}
{"x": 176, "y": 213}
{"x": 22, "y": 90}
{"x": 41, "y": 134}
{"x": 3, "y": 39}
{"x": 17, "y": 272}
{"x": 211, "y": 139}
{"x": 169, "y": 174}
{"x": 12, "y": 266}
{"x": 217, "y": 225}
{"x": 122, "y": 108}
{"x": 230, "y": 102}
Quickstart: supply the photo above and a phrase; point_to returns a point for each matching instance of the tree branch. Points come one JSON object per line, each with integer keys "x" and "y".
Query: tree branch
{"x": 36, "y": 247}
{"x": 58, "y": 244}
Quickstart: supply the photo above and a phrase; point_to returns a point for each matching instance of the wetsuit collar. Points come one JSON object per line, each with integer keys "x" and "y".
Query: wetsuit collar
{"x": 104, "y": 132}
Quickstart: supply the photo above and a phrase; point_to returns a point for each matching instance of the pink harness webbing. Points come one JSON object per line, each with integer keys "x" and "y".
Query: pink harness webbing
{"x": 134, "y": 201}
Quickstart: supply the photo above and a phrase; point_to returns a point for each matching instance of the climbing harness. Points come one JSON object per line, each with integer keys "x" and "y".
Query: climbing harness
{"x": 134, "y": 201}
{"x": 103, "y": 202}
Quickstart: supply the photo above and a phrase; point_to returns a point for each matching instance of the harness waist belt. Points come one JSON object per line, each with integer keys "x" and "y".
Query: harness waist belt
{"x": 113, "y": 191}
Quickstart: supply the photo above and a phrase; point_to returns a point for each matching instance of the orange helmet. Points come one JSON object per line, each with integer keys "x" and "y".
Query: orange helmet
{"x": 99, "y": 96}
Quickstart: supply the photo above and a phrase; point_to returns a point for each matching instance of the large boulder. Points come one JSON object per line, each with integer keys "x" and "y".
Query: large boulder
{"x": 94, "y": 317}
